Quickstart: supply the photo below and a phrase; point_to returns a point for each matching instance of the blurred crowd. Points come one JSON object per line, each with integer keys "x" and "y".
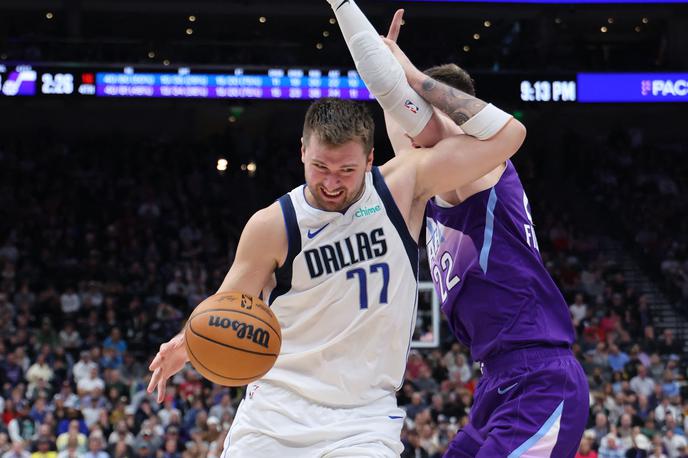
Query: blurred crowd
{"x": 657, "y": 220}
{"x": 105, "y": 248}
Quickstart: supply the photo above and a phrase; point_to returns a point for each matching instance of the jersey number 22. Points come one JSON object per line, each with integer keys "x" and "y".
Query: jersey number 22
{"x": 447, "y": 283}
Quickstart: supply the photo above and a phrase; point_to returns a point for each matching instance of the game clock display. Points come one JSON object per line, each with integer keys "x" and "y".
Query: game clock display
{"x": 57, "y": 83}
{"x": 548, "y": 91}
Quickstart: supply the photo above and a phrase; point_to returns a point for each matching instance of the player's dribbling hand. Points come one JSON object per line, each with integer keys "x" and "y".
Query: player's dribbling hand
{"x": 170, "y": 359}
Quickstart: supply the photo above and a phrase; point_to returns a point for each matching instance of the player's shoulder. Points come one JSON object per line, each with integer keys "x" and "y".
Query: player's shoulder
{"x": 269, "y": 213}
{"x": 401, "y": 172}
{"x": 265, "y": 231}
{"x": 267, "y": 223}
{"x": 400, "y": 165}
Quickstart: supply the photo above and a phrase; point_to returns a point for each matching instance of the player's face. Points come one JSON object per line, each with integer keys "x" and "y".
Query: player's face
{"x": 335, "y": 174}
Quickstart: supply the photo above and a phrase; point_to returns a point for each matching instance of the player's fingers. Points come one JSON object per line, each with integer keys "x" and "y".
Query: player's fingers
{"x": 155, "y": 363}
{"x": 153, "y": 381}
{"x": 161, "y": 389}
{"x": 395, "y": 26}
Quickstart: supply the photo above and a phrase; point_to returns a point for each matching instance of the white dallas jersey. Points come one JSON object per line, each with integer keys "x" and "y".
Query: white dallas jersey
{"x": 345, "y": 298}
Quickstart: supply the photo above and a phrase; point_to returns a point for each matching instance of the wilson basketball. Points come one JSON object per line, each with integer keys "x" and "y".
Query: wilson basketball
{"x": 232, "y": 338}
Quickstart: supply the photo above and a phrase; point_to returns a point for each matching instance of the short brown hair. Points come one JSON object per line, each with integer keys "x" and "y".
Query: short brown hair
{"x": 454, "y": 76}
{"x": 337, "y": 121}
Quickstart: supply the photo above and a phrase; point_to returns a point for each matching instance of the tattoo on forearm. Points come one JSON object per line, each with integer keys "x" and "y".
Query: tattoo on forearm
{"x": 457, "y": 104}
{"x": 429, "y": 84}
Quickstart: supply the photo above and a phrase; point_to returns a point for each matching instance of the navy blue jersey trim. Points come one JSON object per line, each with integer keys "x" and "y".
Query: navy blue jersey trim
{"x": 283, "y": 274}
{"x": 396, "y": 218}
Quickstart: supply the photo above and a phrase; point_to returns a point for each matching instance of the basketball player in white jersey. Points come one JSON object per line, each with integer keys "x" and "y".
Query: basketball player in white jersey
{"x": 337, "y": 259}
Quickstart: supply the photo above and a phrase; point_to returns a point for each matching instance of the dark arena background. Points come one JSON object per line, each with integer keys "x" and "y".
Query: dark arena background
{"x": 137, "y": 137}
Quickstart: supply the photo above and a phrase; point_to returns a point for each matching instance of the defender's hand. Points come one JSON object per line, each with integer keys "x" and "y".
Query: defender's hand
{"x": 395, "y": 26}
{"x": 170, "y": 359}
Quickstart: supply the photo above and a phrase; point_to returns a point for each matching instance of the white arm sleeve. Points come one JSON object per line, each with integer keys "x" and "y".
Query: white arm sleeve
{"x": 379, "y": 69}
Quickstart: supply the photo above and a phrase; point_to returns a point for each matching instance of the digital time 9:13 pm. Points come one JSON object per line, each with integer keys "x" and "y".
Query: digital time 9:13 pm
{"x": 548, "y": 91}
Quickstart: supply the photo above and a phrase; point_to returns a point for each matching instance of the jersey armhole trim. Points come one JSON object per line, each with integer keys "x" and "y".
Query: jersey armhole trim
{"x": 283, "y": 275}
{"x": 395, "y": 217}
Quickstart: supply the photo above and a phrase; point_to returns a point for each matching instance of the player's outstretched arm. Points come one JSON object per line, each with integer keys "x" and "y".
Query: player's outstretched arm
{"x": 433, "y": 131}
{"x": 476, "y": 117}
{"x": 396, "y": 134}
{"x": 382, "y": 74}
{"x": 262, "y": 247}
{"x": 492, "y": 137}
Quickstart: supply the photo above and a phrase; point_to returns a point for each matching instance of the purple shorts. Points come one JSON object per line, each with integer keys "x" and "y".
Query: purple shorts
{"x": 529, "y": 403}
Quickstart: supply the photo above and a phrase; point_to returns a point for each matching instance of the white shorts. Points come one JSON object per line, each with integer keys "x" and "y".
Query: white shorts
{"x": 273, "y": 422}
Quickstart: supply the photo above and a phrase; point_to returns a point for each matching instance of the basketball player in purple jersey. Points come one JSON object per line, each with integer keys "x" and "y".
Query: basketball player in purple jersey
{"x": 499, "y": 299}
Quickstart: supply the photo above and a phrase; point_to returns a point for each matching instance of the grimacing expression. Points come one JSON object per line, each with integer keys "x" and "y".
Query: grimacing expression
{"x": 335, "y": 174}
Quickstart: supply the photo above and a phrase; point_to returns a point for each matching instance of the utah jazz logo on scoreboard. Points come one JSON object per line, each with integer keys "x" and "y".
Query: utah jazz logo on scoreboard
{"x": 20, "y": 81}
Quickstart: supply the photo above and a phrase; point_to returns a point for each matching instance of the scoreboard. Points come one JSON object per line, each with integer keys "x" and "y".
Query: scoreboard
{"x": 19, "y": 80}
{"x": 240, "y": 84}
{"x": 275, "y": 83}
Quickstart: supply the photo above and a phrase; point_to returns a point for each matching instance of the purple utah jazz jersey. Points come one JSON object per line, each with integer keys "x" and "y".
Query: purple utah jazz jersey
{"x": 487, "y": 270}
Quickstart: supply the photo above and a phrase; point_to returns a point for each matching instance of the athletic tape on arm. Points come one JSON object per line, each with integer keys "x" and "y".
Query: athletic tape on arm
{"x": 486, "y": 123}
{"x": 386, "y": 80}
{"x": 381, "y": 72}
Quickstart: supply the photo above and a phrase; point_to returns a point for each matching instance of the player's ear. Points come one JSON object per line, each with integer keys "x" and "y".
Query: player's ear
{"x": 369, "y": 160}
{"x": 303, "y": 151}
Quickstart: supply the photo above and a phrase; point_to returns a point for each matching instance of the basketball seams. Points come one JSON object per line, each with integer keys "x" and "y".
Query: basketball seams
{"x": 241, "y": 313}
{"x": 227, "y": 345}
{"x": 277, "y": 333}
{"x": 250, "y": 379}
{"x": 265, "y": 307}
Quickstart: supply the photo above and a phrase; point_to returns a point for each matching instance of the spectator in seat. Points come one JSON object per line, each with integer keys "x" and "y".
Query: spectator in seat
{"x": 412, "y": 447}
{"x": 17, "y": 451}
{"x": 642, "y": 383}
{"x": 617, "y": 358}
{"x": 22, "y": 428}
{"x": 611, "y": 447}
{"x": 600, "y": 429}
{"x": 585, "y": 450}
{"x": 578, "y": 309}
{"x": 96, "y": 444}
{"x": 668, "y": 345}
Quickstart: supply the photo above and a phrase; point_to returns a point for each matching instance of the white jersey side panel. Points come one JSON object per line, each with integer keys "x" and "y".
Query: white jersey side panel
{"x": 345, "y": 299}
